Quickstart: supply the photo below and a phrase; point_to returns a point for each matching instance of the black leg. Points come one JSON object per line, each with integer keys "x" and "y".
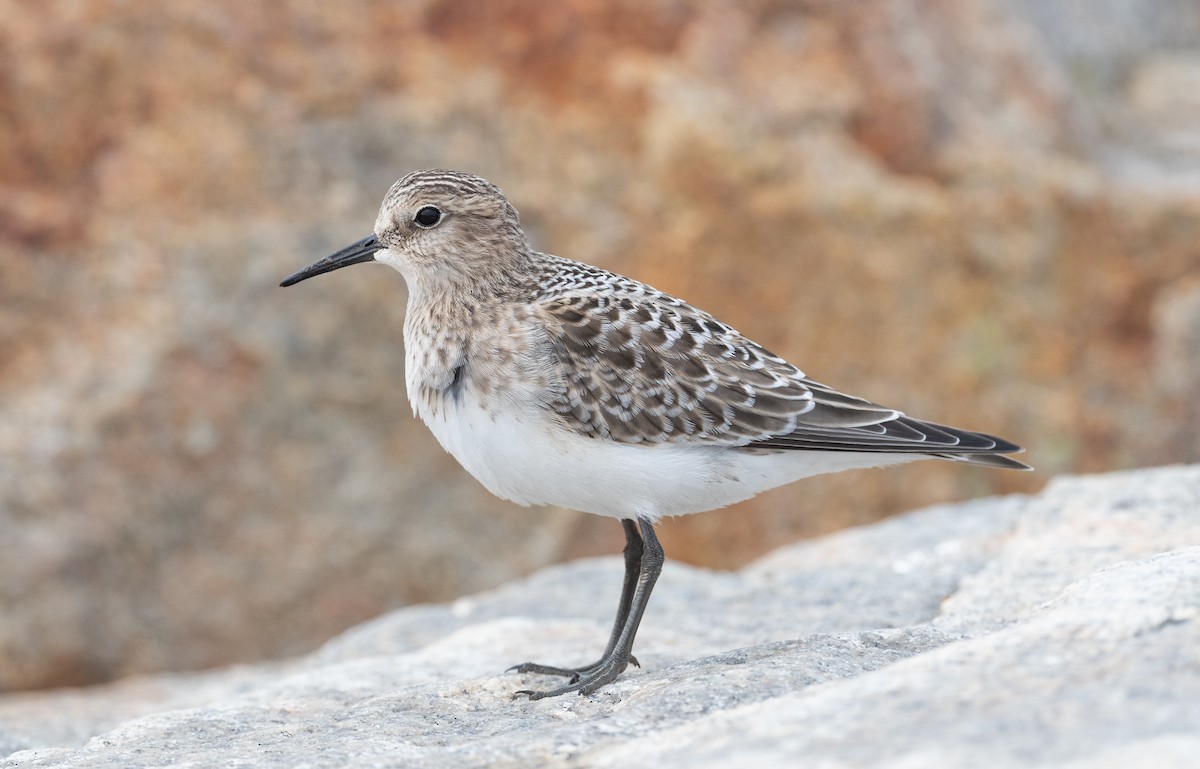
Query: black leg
{"x": 633, "y": 567}
{"x": 634, "y": 546}
{"x": 619, "y": 652}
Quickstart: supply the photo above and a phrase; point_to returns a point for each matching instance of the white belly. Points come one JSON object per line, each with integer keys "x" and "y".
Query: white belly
{"x": 530, "y": 460}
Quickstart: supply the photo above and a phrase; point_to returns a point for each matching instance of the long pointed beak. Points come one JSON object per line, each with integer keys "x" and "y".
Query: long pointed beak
{"x": 355, "y": 253}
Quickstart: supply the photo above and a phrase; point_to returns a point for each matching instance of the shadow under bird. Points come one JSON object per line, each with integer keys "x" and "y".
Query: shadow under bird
{"x": 554, "y": 382}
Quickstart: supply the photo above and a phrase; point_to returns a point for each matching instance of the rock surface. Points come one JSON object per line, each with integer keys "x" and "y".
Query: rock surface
{"x": 1059, "y": 630}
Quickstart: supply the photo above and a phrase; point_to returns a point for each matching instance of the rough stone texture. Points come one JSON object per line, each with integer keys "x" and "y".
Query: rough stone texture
{"x": 1059, "y": 630}
{"x": 982, "y": 211}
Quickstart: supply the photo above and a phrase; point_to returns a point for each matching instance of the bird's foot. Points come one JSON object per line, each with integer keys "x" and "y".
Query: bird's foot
{"x": 584, "y": 680}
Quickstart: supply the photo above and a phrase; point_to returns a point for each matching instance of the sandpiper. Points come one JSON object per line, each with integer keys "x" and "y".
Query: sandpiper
{"x": 554, "y": 382}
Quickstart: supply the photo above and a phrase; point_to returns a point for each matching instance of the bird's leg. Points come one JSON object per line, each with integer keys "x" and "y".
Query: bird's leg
{"x": 619, "y": 654}
{"x": 633, "y": 567}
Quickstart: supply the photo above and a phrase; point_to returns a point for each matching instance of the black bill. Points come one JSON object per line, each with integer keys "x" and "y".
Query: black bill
{"x": 355, "y": 253}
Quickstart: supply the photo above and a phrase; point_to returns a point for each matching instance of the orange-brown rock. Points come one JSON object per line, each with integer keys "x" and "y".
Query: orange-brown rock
{"x": 926, "y": 203}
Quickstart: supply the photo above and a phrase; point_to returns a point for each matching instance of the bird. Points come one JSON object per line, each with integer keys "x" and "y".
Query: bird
{"x": 556, "y": 382}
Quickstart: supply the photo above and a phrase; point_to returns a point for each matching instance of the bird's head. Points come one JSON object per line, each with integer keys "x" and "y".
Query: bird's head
{"x": 437, "y": 227}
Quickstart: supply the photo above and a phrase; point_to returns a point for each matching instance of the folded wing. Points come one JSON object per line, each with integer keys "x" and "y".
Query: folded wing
{"x": 635, "y": 365}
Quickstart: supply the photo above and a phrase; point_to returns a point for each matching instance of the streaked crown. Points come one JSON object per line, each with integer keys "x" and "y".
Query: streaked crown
{"x": 458, "y": 225}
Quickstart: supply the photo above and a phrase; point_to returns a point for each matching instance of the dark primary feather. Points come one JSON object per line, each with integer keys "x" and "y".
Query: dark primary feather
{"x": 635, "y": 365}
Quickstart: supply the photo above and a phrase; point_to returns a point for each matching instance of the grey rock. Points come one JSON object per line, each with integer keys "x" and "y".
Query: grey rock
{"x": 1059, "y": 630}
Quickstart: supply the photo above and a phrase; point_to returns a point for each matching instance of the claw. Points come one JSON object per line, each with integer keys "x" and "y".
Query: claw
{"x": 584, "y": 680}
{"x": 549, "y": 670}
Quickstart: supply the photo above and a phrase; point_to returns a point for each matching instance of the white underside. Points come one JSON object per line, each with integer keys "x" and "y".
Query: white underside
{"x": 532, "y": 461}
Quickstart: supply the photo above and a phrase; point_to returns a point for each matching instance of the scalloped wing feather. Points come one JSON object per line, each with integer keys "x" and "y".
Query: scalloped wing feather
{"x": 635, "y": 365}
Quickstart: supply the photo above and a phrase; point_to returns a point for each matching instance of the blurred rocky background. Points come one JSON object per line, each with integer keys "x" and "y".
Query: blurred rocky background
{"x": 985, "y": 212}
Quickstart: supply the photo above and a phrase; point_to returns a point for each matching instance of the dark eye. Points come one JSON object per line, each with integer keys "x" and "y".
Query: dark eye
{"x": 428, "y": 216}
